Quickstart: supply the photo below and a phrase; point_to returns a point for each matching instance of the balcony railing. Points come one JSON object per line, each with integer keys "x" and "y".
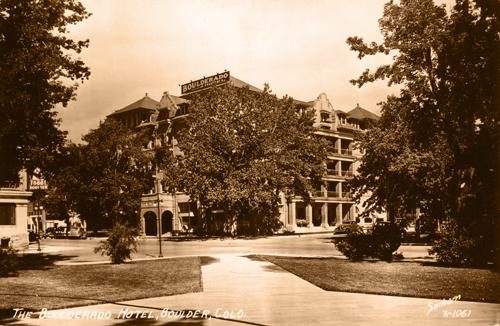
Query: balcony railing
{"x": 325, "y": 124}
{"x": 348, "y": 125}
{"x": 347, "y": 173}
{"x": 319, "y": 193}
{"x": 10, "y": 186}
{"x": 332, "y": 172}
{"x": 333, "y": 194}
{"x": 346, "y": 195}
{"x": 346, "y": 151}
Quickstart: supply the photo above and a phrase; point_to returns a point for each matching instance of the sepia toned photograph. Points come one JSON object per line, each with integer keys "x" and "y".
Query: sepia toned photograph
{"x": 249, "y": 162}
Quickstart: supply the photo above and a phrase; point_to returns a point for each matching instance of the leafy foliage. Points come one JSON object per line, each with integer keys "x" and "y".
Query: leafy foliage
{"x": 38, "y": 72}
{"x": 458, "y": 245}
{"x": 104, "y": 179}
{"x": 9, "y": 262}
{"x": 120, "y": 244}
{"x": 242, "y": 151}
{"x": 435, "y": 146}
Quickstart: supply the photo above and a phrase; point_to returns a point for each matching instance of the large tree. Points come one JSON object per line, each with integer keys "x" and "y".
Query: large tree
{"x": 38, "y": 72}
{"x": 103, "y": 180}
{"x": 435, "y": 146}
{"x": 244, "y": 150}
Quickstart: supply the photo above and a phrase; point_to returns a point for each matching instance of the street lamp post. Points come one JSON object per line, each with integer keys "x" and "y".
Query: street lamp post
{"x": 159, "y": 210}
{"x": 38, "y": 212}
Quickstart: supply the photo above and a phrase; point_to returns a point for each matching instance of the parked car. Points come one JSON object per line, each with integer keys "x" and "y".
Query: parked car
{"x": 77, "y": 233}
{"x": 343, "y": 230}
{"x": 367, "y": 223}
{"x": 60, "y": 232}
{"x": 49, "y": 233}
{"x": 55, "y": 233}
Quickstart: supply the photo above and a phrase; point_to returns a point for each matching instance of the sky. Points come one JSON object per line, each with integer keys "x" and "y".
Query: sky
{"x": 151, "y": 46}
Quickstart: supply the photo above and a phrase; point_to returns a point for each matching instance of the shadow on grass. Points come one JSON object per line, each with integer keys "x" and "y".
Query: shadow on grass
{"x": 267, "y": 268}
{"x": 40, "y": 261}
{"x": 274, "y": 268}
{"x": 490, "y": 267}
{"x": 207, "y": 260}
{"x": 257, "y": 257}
{"x": 34, "y": 262}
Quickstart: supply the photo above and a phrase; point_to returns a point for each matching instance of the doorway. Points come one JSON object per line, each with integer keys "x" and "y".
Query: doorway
{"x": 150, "y": 224}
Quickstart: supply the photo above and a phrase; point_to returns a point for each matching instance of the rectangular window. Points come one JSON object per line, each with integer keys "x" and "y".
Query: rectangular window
{"x": 7, "y": 214}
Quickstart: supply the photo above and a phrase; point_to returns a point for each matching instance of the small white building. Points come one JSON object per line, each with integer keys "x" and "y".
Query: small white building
{"x": 14, "y": 201}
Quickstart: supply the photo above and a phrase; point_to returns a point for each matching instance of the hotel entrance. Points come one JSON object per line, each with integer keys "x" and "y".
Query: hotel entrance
{"x": 167, "y": 222}
{"x": 150, "y": 224}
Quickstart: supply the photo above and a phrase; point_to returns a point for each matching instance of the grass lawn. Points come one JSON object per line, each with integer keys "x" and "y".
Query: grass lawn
{"x": 57, "y": 286}
{"x": 397, "y": 278}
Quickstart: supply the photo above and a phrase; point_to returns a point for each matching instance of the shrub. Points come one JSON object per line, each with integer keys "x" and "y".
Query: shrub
{"x": 120, "y": 244}
{"x": 355, "y": 246}
{"x": 9, "y": 262}
{"x": 464, "y": 246}
{"x": 347, "y": 229}
{"x": 385, "y": 239}
{"x": 381, "y": 243}
{"x": 302, "y": 223}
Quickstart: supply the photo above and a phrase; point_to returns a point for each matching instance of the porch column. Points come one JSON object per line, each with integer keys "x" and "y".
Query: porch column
{"x": 292, "y": 216}
{"x": 324, "y": 215}
{"x": 338, "y": 145}
{"x": 143, "y": 223}
{"x": 309, "y": 216}
{"x": 339, "y": 213}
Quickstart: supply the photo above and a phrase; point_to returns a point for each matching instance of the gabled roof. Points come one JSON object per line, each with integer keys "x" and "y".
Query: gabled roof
{"x": 360, "y": 114}
{"x": 179, "y": 100}
{"x": 303, "y": 103}
{"x": 144, "y": 103}
{"x": 241, "y": 84}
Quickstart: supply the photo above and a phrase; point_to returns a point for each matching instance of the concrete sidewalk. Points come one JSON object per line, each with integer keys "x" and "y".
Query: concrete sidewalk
{"x": 260, "y": 293}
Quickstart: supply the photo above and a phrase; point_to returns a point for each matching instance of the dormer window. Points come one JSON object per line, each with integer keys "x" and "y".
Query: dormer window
{"x": 181, "y": 109}
{"x": 325, "y": 117}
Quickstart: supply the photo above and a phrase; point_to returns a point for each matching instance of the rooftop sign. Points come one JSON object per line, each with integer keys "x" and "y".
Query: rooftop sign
{"x": 205, "y": 82}
{"x": 36, "y": 181}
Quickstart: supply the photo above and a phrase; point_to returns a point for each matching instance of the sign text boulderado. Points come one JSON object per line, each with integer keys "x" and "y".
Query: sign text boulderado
{"x": 205, "y": 82}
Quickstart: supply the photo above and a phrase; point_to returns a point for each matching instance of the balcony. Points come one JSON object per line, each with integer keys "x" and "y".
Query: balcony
{"x": 348, "y": 125}
{"x": 347, "y": 173}
{"x": 345, "y": 151}
{"x": 332, "y": 172}
{"x": 319, "y": 193}
{"x": 7, "y": 186}
{"x": 347, "y": 195}
{"x": 325, "y": 125}
{"x": 333, "y": 194}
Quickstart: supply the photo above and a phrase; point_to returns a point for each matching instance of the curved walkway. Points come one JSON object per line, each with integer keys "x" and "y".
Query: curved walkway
{"x": 260, "y": 293}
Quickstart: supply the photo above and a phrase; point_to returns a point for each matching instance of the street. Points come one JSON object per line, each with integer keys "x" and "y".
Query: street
{"x": 295, "y": 245}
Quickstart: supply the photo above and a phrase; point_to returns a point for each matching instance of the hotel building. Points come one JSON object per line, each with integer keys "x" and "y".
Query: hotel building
{"x": 331, "y": 203}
